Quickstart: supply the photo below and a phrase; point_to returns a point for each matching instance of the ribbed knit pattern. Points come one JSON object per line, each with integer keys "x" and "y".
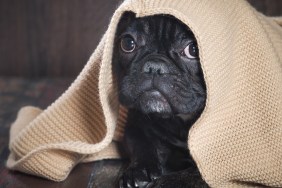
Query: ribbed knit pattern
{"x": 237, "y": 142}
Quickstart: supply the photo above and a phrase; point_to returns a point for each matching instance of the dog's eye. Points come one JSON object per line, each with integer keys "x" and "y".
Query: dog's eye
{"x": 191, "y": 51}
{"x": 127, "y": 44}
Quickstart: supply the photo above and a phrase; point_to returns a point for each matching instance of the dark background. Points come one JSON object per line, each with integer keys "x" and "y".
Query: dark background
{"x": 54, "y": 38}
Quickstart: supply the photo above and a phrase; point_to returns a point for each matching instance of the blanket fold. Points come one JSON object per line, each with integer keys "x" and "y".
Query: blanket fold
{"x": 237, "y": 141}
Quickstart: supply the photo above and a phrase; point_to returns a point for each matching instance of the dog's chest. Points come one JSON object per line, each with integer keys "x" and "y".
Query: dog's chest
{"x": 171, "y": 132}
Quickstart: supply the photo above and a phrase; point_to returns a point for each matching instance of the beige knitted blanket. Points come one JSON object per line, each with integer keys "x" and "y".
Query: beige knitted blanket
{"x": 237, "y": 142}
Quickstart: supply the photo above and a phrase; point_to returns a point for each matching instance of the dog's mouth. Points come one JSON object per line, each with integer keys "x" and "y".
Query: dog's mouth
{"x": 153, "y": 101}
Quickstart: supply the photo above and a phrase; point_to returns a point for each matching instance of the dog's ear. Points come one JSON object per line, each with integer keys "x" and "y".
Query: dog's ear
{"x": 125, "y": 20}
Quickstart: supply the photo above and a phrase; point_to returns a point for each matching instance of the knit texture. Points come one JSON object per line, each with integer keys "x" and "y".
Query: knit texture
{"x": 237, "y": 141}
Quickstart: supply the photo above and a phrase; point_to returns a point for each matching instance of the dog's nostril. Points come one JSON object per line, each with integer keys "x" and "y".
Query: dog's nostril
{"x": 150, "y": 70}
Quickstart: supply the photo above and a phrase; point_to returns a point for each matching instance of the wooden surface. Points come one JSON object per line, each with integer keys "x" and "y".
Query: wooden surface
{"x": 101, "y": 174}
{"x": 50, "y": 37}
{"x": 15, "y": 93}
{"x": 54, "y": 38}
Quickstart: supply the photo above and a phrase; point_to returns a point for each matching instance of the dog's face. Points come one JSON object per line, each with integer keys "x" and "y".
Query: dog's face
{"x": 156, "y": 61}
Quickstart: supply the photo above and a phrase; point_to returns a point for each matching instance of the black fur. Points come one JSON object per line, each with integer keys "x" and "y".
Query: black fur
{"x": 159, "y": 83}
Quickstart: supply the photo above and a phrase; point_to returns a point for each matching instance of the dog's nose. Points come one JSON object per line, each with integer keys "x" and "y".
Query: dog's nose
{"x": 156, "y": 68}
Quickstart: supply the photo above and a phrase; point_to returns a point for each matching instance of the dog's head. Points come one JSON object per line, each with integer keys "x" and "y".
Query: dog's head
{"x": 157, "y": 65}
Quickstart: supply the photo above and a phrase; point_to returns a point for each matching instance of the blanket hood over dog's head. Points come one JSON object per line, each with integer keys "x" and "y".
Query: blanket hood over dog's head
{"x": 237, "y": 141}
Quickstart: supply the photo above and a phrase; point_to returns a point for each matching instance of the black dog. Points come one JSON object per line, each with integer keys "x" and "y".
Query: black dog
{"x": 160, "y": 80}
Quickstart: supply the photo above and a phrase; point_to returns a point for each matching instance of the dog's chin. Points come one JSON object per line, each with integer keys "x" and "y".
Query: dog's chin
{"x": 153, "y": 102}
